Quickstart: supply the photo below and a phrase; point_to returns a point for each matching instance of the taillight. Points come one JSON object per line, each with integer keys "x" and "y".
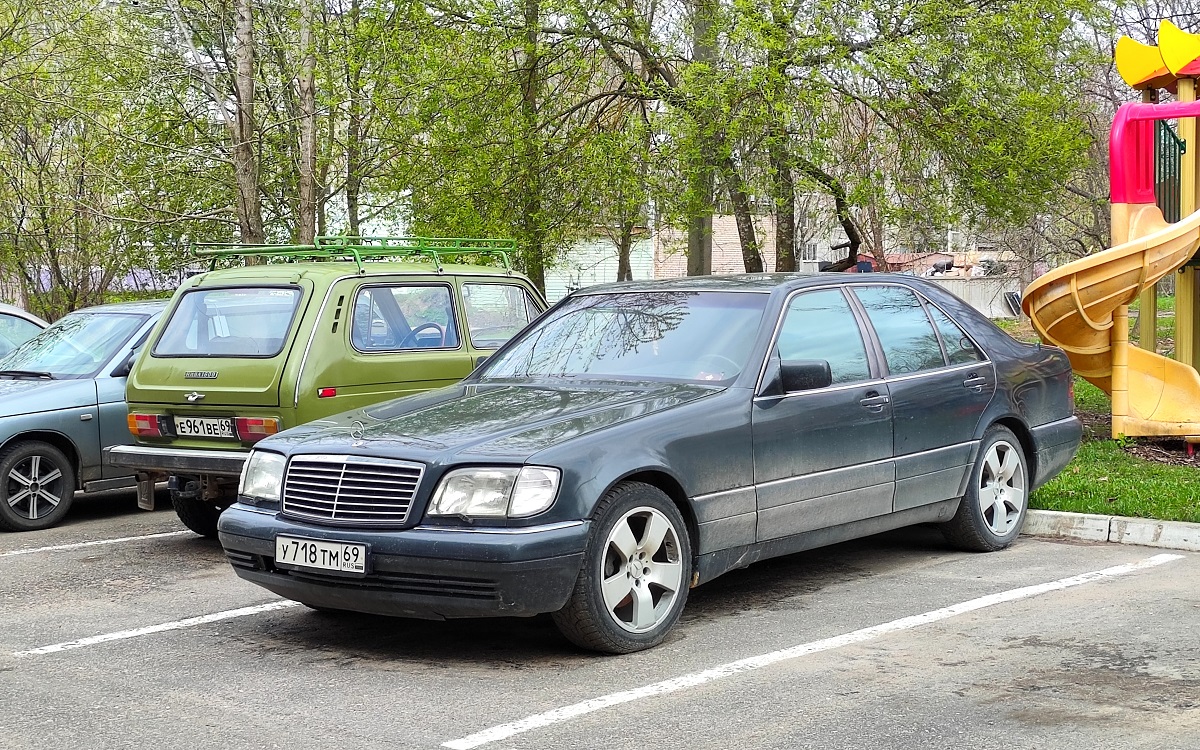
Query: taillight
{"x": 149, "y": 425}
{"x": 1071, "y": 390}
{"x": 252, "y": 430}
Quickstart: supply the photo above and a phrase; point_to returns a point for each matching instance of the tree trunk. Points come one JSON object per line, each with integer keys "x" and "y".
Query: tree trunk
{"x": 841, "y": 208}
{"x": 307, "y": 223}
{"x": 624, "y": 249}
{"x": 532, "y": 235}
{"x": 783, "y": 194}
{"x": 751, "y": 257}
{"x": 354, "y": 119}
{"x": 245, "y": 160}
{"x": 699, "y": 252}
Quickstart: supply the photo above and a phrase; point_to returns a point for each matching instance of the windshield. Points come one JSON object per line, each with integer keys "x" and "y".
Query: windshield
{"x": 240, "y": 322}
{"x": 76, "y": 346}
{"x": 691, "y": 336}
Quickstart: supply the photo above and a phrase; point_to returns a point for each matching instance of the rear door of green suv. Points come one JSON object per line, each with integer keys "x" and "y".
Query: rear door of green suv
{"x": 216, "y": 364}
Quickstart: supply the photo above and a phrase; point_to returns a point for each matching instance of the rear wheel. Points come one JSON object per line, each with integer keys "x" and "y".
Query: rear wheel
{"x": 37, "y": 485}
{"x": 197, "y": 514}
{"x": 990, "y": 516}
{"x": 635, "y": 575}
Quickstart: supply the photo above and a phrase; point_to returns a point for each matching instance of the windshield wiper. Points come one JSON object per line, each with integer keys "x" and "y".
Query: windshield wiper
{"x": 27, "y": 374}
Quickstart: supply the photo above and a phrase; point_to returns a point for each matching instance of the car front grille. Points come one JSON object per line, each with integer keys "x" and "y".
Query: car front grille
{"x": 350, "y": 490}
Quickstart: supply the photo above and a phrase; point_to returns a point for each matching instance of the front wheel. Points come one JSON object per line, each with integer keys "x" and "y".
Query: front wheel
{"x": 37, "y": 485}
{"x": 990, "y": 515}
{"x": 635, "y": 576}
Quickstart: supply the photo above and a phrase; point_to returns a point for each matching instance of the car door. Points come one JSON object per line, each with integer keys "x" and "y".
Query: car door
{"x": 939, "y": 382}
{"x": 823, "y": 457}
{"x": 403, "y": 338}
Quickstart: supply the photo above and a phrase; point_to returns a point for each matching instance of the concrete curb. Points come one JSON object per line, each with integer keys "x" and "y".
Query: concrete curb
{"x": 1115, "y": 529}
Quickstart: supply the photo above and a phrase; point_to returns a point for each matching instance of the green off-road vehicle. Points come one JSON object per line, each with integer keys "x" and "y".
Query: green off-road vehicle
{"x": 242, "y": 353}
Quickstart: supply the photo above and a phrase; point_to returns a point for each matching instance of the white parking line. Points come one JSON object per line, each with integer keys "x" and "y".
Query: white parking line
{"x": 566, "y": 713}
{"x": 176, "y": 625}
{"x": 78, "y": 545}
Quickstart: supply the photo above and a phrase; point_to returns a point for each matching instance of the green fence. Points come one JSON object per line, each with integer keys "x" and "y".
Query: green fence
{"x": 1168, "y": 153}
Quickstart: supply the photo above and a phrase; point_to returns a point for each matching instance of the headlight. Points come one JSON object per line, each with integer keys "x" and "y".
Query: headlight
{"x": 262, "y": 477}
{"x": 496, "y": 492}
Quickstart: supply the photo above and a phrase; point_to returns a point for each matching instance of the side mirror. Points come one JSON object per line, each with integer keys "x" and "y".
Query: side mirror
{"x": 805, "y": 375}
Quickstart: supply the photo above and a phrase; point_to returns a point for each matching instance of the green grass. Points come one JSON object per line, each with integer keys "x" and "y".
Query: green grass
{"x": 1105, "y": 480}
{"x": 1089, "y": 398}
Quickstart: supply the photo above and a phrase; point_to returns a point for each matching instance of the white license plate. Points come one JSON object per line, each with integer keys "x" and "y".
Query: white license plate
{"x": 204, "y": 427}
{"x": 345, "y": 557}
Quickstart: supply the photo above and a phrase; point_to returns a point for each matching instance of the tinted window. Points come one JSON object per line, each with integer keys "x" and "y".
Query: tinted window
{"x": 959, "y": 348}
{"x": 387, "y": 318}
{"x": 695, "y": 336}
{"x": 820, "y": 325}
{"x": 495, "y": 312}
{"x": 241, "y": 322}
{"x": 909, "y": 342}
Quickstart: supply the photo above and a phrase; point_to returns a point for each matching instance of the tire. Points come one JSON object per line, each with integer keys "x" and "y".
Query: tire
{"x": 37, "y": 486}
{"x": 647, "y": 577}
{"x": 197, "y": 514}
{"x": 991, "y": 513}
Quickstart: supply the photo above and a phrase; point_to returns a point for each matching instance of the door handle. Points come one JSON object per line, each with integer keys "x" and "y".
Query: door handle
{"x": 874, "y": 402}
{"x": 975, "y": 382}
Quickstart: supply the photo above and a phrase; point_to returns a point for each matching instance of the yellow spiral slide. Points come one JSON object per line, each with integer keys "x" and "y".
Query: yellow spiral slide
{"x": 1073, "y": 307}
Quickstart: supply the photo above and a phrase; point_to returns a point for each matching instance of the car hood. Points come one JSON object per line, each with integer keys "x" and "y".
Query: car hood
{"x": 28, "y": 395}
{"x": 511, "y": 420}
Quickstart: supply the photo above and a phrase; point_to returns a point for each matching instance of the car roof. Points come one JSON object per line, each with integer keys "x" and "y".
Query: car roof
{"x": 21, "y": 313}
{"x": 328, "y": 270}
{"x": 135, "y": 306}
{"x": 750, "y": 282}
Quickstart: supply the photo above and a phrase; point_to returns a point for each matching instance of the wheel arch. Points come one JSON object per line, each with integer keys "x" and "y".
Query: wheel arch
{"x": 1025, "y": 437}
{"x": 672, "y": 488}
{"x": 58, "y": 440}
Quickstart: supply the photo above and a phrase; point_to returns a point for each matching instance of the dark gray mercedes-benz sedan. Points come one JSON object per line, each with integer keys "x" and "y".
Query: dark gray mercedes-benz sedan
{"x": 643, "y": 438}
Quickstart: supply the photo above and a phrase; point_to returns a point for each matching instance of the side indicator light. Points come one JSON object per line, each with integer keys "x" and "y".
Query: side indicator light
{"x": 326, "y": 392}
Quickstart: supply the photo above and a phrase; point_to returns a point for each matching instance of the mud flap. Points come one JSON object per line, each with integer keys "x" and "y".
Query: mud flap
{"x": 145, "y": 490}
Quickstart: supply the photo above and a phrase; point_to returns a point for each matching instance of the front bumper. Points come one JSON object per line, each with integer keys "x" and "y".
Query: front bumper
{"x": 423, "y": 572}
{"x": 195, "y": 461}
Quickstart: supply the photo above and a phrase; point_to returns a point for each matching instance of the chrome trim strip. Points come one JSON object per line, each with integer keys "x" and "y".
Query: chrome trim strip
{"x": 941, "y": 371}
{"x": 830, "y": 389}
{"x": 507, "y": 530}
{"x": 711, "y": 495}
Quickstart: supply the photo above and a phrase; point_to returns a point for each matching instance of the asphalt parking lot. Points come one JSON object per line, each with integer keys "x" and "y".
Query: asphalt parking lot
{"x": 890, "y": 642}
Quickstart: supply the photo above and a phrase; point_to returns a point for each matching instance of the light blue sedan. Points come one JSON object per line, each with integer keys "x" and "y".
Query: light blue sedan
{"x": 62, "y": 402}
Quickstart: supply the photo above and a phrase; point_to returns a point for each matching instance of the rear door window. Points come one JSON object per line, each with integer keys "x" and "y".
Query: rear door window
{"x": 960, "y": 350}
{"x": 496, "y": 312}
{"x": 404, "y": 316}
{"x": 908, "y": 339}
{"x": 235, "y": 322}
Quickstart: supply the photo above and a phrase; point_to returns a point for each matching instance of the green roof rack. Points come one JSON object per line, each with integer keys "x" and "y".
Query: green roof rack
{"x": 364, "y": 248}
